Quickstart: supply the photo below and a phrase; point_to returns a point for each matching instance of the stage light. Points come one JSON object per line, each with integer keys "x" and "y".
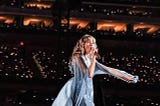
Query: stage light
{"x": 21, "y": 43}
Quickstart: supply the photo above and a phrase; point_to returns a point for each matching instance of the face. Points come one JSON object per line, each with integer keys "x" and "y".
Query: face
{"x": 88, "y": 45}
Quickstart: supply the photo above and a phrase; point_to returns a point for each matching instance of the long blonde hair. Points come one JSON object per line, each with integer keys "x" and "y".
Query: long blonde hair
{"x": 79, "y": 48}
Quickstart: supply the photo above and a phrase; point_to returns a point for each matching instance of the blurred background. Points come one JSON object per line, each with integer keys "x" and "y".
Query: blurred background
{"x": 37, "y": 38}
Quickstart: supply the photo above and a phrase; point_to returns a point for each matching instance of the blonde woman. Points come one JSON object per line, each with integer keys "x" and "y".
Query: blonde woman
{"x": 78, "y": 91}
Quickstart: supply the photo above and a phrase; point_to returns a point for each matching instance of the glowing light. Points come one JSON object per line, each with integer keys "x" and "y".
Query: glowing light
{"x": 22, "y": 43}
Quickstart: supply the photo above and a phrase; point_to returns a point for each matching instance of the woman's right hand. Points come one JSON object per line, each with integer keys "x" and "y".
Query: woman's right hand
{"x": 93, "y": 52}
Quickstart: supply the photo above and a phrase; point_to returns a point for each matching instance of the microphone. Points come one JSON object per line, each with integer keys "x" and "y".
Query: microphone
{"x": 96, "y": 52}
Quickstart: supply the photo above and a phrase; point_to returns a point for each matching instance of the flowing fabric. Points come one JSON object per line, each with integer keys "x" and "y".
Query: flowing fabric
{"x": 78, "y": 91}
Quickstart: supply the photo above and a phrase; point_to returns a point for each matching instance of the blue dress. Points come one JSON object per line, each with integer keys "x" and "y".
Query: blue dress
{"x": 78, "y": 91}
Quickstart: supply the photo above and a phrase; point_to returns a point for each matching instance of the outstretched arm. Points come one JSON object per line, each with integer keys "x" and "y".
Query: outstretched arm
{"x": 102, "y": 69}
{"x": 119, "y": 74}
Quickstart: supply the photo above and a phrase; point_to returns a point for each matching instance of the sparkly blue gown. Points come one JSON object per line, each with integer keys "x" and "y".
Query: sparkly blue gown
{"x": 78, "y": 91}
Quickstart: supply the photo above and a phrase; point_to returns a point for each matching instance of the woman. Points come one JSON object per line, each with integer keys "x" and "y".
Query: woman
{"x": 78, "y": 91}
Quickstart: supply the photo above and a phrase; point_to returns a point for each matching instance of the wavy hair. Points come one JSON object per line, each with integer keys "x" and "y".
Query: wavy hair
{"x": 79, "y": 47}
